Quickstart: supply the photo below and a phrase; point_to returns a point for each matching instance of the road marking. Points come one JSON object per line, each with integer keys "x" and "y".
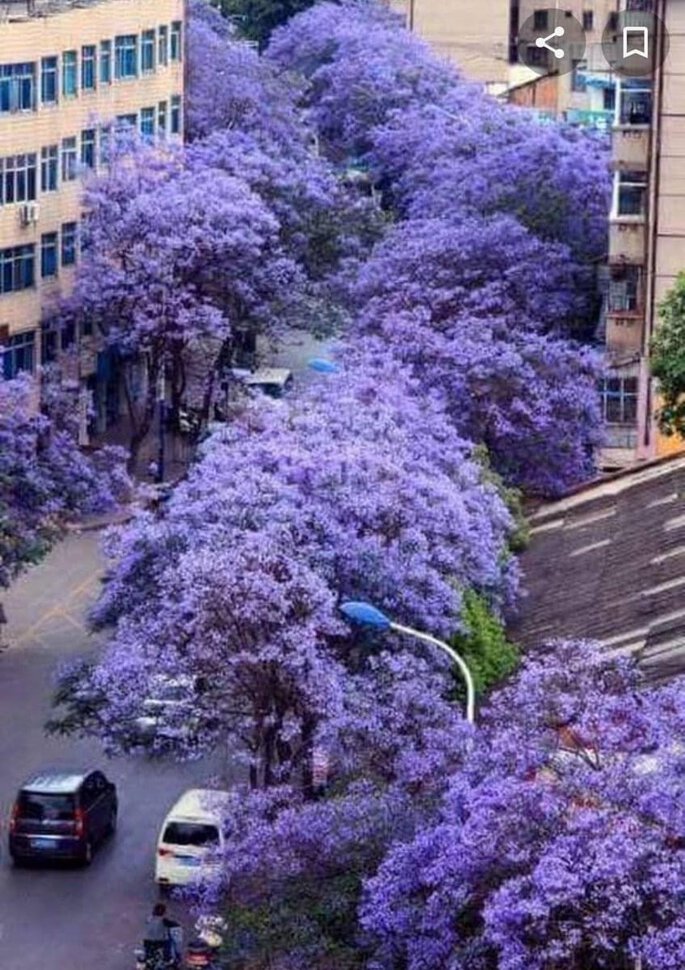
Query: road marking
{"x": 57, "y": 610}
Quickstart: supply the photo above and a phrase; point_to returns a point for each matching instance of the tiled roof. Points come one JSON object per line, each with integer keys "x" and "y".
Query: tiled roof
{"x": 608, "y": 563}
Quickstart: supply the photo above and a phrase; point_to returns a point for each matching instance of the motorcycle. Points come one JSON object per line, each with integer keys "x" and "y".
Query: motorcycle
{"x": 150, "y": 958}
{"x": 203, "y": 950}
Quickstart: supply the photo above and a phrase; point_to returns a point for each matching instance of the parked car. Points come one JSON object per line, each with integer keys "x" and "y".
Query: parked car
{"x": 62, "y": 815}
{"x": 274, "y": 381}
{"x": 169, "y": 713}
{"x": 191, "y": 839}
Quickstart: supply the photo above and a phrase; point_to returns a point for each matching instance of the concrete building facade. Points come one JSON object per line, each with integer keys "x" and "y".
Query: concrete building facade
{"x": 72, "y": 73}
{"x": 647, "y": 239}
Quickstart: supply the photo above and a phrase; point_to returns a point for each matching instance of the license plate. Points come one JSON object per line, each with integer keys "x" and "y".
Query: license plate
{"x": 42, "y": 844}
{"x": 188, "y": 860}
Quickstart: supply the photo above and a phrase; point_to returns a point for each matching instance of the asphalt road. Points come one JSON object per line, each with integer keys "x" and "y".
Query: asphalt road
{"x": 72, "y": 918}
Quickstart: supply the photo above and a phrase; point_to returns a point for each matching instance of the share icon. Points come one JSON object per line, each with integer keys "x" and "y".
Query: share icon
{"x": 542, "y": 42}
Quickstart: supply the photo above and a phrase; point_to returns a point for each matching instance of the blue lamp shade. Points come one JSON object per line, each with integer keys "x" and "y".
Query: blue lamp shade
{"x": 366, "y": 614}
{"x": 323, "y": 366}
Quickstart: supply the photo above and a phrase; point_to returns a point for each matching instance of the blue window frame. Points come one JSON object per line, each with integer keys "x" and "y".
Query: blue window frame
{"x": 49, "y": 168}
{"x": 176, "y": 115}
{"x": 18, "y": 178}
{"x": 69, "y": 240}
{"x": 126, "y": 56}
{"x": 147, "y": 122}
{"x": 89, "y": 67}
{"x": 49, "y": 261}
{"x": 69, "y": 74}
{"x": 105, "y": 62}
{"x": 17, "y": 87}
{"x": 163, "y": 45}
{"x": 147, "y": 51}
{"x": 88, "y": 152}
{"x": 49, "y": 85}
{"x": 17, "y": 268}
{"x": 18, "y": 354}
{"x": 69, "y": 160}
{"x": 176, "y": 41}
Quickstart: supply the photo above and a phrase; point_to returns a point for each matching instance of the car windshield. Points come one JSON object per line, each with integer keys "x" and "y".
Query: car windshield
{"x": 190, "y": 833}
{"x": 46, "y": 808}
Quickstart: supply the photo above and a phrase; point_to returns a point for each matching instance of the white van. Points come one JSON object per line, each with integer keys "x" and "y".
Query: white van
{"x": 191, "y": 839}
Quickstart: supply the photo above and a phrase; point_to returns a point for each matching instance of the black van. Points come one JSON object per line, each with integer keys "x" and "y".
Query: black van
{"x": 62, "y": 815}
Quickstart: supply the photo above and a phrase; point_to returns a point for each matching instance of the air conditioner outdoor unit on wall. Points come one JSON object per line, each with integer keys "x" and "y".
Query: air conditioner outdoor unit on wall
{"x": 29, "y": 213}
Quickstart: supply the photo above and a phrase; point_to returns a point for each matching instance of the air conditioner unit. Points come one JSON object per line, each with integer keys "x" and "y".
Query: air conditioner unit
{"x": 29, "y": 213}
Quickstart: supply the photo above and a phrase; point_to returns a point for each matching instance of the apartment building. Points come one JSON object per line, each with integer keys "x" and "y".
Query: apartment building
{"x": 475, "y": 36}
{"x": 72, "y": 74}
{"x": 647, "y": 239}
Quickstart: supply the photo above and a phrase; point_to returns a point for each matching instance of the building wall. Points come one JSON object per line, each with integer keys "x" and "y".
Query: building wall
{"x": 667, "y": 221}
{"x": 29, "y": 40}
{"x": 473, "y": 35}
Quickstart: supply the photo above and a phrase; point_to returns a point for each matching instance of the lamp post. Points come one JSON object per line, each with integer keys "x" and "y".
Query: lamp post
{"x": 369, "y": 615}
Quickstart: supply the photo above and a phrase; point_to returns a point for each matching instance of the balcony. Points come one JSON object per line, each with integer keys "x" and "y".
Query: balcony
{"x": 630, "y": 147}
{"x": 624, "y": 332}
{"x": 627, "y": 240}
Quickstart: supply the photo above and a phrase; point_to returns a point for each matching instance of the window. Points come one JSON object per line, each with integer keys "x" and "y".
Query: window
{"x": 609, "y": 98}
{"x": 147, "y": 51}
{"x": 635, "y": 101}
{"x": 612, "y": 22}
{"x": 147, "y": 122}
{"x": 105, "y": 144}
{"x": 163, "y": 45}
{"x": 48, "y": 255}
{"x": 176, "y": 41}
{"x": 105, "y": 62}
{"x": 69, "y": 74}
{"x": 191, "y": 833}
{"x": 126, "y": 123}
{"x": 624, "y": 289}
{"x": 126, "y": 56}
{"x": 69, "y": 234}
{"x": 69, "y": 160}
{"x": 632, "y": 193}
{"x": 162, "y": 117}
{"x": 89, "y": 67}
{"x": 579, "y": 76}
{"x": 619, "y": 400}
{"x": 540, "y": 20}
{"x": 19, "y": 350}
{"x": 16, "y": 268}
{"x": 588, "y": 20}
{"x": 176, "y": 115}
{"x": 48, "y": 80}
{"x": 88, "y": 157}
{"x": 18, "y": 179}
{"x": 537, "y": 56}
{"x": 17, "y": 87}
{"x": 49, "y": 168}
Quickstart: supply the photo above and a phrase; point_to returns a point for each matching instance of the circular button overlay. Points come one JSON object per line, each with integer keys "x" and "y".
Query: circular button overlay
{"x": 552, "y": 41}
{"x": 636, "y": 45}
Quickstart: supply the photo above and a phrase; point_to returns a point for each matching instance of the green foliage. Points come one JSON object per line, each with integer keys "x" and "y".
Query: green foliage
{"x": 315, "y": 916}
{"x": 257, "y": 19}
{"x": 518, "y": 540}
{"x": 484, "y": 645}
{"x": 668, "y": 360}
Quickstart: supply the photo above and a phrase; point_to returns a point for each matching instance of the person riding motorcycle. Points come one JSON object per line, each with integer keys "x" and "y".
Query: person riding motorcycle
{"x": 161, "y": 942}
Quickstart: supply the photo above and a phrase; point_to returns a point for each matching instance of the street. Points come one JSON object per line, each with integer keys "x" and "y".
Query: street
{"x": 66, "y": 918}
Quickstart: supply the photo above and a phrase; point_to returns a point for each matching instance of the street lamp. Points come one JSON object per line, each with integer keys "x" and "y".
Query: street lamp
{"x": 369, "y": 615}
